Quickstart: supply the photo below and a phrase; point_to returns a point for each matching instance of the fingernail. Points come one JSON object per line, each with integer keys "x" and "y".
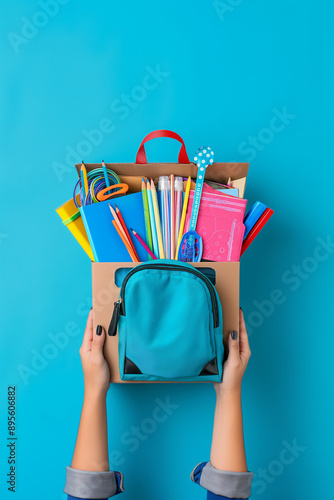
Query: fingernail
{"x": 234, "y": 335}
{"x": 98, "y": 330}
{"x": 91, "y": 308}
{"x": 241, "y": 309}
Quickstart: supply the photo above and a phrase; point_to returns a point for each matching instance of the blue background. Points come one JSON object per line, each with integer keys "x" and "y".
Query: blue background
{"x": 227, "y": 71}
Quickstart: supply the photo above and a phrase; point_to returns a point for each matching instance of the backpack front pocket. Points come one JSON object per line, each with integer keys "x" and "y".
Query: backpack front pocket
{"x": 167, "y": 319}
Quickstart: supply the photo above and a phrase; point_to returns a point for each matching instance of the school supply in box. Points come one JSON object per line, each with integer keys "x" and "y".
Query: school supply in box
{"x": 191, "y": 246}
{"x": 223, "y": 188}
{"x": 104, "y": 239}
{"x": 166, "y": 235}
{"x": 123, "y": 232}
{"x": 183, "y": 215}
{"x": 263, "y": 219}
{"x": 93, "y": 182}
{"x": 164, "y": 204}
{"x": 71, "y": 218}
{"x": 146, "y": 216}
{"x": 178, "y": 211}
{"x": 152, "y": 220}
{"x": 220, "y": 224}
{"x": 169, "y": 320}
{"x": 144, "y": 244}
{"x": 157, "y": 220}
{"x": 253, "y": 216}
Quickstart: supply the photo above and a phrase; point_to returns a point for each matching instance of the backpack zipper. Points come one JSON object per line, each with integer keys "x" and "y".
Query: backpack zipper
{"x": 119, "y": 306}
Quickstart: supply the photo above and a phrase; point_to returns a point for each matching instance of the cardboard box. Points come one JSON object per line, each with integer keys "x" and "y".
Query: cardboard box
{"x": 105, "y": 290}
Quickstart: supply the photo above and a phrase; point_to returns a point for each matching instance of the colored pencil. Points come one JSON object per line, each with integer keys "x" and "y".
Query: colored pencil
{"x": 118, "y": 222}
{"x": 143, "y": 244}
{"x": 163, "y": 221}
{"x": 119, "y": 215}
{"x": 183, "y": 217}
{"x": 178, "y": 205}
{"x": 146, "y": 215}
{"x": 82, "y": 187}
{"x": 126, "y": 243}
{"x": 163, "y": 186}
{"x": 84, "y": 171}
{"x": 157, "y": 220}
{"x": 172, "y": 217}
{"x": 105, "y": 174}
{"x": 152, "y": 219}
{"x": 167, "y": 204}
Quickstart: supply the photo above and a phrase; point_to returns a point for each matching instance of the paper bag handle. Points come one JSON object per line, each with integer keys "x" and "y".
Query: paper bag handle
{"x": 141, "y": 154}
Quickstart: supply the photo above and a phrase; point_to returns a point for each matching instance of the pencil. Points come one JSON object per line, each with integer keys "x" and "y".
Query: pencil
{"x": 152, "y": 220}
{"x": 146, "y": 215}
{"x": 105, "y": 174}
{"x": 172, "y": 219}
{"x": 183, "y": 217}
{"x": 118, "y": 222}
{"x": 82, "y": 188}
{"x": 178, "y": 188}
{"x": 167, "y": 211}
{"x": 157, "y": 220}
{"x": 84, "y": 171}
{"x": 119, "y": 215}
{"x": 144, "y": 244}
{"x": 126, "y": 243}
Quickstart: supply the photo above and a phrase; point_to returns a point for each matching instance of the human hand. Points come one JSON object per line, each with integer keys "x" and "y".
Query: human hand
{"x": 95, "y": 368}
{"x": 236, "y": 363}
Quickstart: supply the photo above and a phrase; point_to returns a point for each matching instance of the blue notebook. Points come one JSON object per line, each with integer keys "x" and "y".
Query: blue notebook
{"x": 253, "y": 216}
{"x": 106, "y": 244}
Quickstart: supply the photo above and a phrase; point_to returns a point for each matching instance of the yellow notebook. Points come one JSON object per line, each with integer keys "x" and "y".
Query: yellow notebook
{"x": 76, "y": 226}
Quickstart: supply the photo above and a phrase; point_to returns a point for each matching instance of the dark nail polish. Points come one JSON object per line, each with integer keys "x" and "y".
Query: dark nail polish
{"x": 98, "y": 330}
{"x": 234, "y": 335}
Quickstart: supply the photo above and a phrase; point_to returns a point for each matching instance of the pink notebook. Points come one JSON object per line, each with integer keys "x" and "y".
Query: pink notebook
{"x": 220, "y": 223}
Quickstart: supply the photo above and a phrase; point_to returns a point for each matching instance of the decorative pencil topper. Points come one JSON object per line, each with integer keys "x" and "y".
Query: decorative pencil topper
{"x": 191, "y": 246}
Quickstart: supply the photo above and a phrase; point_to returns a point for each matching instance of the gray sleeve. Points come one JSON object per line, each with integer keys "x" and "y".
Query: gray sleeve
{"x": 225, "y": 483}
{"x": 89, "y": 484}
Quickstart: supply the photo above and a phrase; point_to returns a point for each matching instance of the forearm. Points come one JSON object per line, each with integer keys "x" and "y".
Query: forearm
{"x": 228, "y": 449}
{"x": 91, "y": 448}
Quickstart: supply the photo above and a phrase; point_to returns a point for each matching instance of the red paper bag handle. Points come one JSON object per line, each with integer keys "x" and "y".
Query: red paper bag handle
{"x": 141, "y": 154}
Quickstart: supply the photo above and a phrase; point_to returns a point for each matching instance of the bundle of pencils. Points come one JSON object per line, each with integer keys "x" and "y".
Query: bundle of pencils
{"x": 164, "y": 224}
{"x": 123, "y": 233}
{"x": 154, "y": 245}
{"x": 183, "y": 217}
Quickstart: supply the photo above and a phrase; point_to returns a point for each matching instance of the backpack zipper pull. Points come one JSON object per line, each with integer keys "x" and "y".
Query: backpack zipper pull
{"x": 115, "y": 317}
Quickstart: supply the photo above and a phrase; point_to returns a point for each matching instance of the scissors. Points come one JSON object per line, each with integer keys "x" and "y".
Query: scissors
{"x": 122, "y": 189}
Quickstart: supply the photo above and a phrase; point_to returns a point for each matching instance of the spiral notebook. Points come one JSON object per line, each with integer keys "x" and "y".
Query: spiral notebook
{"x": 105, "y": 242}
{"x": 220, "y": 223}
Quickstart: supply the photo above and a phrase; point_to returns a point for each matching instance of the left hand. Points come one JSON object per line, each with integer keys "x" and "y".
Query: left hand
{"x": 94, "y": 365}
{"x": 236, "y": 363}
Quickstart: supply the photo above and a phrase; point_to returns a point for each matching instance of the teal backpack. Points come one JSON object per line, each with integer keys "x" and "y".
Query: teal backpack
{"x": 170, "y": 325}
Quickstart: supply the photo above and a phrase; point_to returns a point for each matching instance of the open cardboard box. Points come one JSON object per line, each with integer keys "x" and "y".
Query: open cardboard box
{"x": 106, "y": 291}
